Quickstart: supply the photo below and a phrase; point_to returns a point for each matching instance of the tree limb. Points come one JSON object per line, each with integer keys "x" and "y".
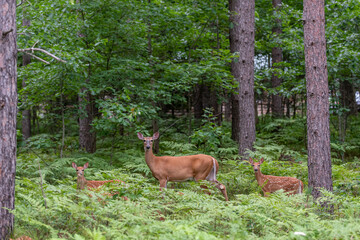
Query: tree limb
{"x": 40, "y": 59}
{"x": 18, "y": 5}
{"x": 22, "y": 1}
{"x": 32, "y": 49}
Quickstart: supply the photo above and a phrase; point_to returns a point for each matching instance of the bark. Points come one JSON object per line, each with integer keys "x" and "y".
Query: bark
{"x": 87, "y": 138}
{"x": 318, "y": 131}
{"x": 242, "y": 40}
{"x": 8, "y": 111}
{"x": 277, "y": 57}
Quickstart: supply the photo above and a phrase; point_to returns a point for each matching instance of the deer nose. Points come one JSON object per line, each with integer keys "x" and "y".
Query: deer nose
{"x": 147, "y": 147}
{"x": 255, "y": 170}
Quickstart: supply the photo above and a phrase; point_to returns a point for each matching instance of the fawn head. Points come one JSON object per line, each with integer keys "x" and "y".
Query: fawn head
{"x": 80, "y": 170}
{"x": 256, "y": 165}
{"x": 148, "y": 141}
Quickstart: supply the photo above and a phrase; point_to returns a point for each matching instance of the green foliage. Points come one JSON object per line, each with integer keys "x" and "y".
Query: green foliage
{"x": 106, "y": 44}
{"x": 210, "y": 137}
{"x": 183, "y": 210}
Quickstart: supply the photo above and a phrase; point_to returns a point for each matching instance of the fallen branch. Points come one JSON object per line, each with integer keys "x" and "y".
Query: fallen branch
{"x": 40, "y": 59}
{"x": 32, "y": 49}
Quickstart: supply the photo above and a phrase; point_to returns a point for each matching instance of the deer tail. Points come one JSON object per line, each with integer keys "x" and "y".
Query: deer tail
{"x": 212, "y": 174}
{"x": 299, "y": 190}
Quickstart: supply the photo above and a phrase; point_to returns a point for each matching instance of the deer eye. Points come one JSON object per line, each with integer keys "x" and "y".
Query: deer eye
{"x": 144, "y": 140}
{"x": 151, "y": 140}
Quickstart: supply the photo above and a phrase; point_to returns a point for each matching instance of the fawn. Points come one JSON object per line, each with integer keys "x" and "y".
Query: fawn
{"x": 22, "y": 238}
{"x": 270, "y": 184}
{"x": 82, "y": 182}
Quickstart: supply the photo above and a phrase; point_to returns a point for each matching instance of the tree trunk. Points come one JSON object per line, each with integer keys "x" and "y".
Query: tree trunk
{"x": 155, "y": 122}
{"x": 242, "y": 40}
{"x": 87, "y": 138}
{"x": 26, "y": 116}
{"x": 227, "y": 109}
{"x": 277, "y": 57}
{"x": 347, "y": 97}
{"x": 318, "y": 132}
{"x": 235, "y": 118}
{"x": 294, "y": 106}
{"x": 8, "y": 111}
{"x": 234, "y": 6}
{"x": 197, "y": 102}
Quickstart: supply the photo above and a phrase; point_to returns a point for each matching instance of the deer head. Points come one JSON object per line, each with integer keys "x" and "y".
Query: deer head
{"x": 80, "y": 170}
{"x": 148, "y": 141}
{"x": 256, "y": 165}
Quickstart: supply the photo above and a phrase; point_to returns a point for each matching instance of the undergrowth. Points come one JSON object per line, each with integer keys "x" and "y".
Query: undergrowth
{"x": 54, "y": 209}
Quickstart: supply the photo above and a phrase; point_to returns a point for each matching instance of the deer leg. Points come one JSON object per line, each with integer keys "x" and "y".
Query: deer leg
{"x": 222, "y": 188}
{"x": 163, "y": 183}
{"x": 266, "y": 194}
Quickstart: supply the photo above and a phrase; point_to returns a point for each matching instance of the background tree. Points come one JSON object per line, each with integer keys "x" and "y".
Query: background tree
{"x": 277, "y": 58}
{"x": 318, "y": 129}
{"x": 8, "y": 111}
{"x": 26, "y": 113}
{"x": 234, "y": 34}
{"x": 246, "y": 51}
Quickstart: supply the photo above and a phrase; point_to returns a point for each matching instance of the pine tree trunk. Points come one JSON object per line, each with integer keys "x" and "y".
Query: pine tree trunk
{"x": 277, "y": 57}
{"x": 8, "y": 111}
{"x": 235, "y": 118}
{"x": 155, "y": 122}
{"x": 227, "y": 107}
{"x": 347, "y": 97}
{"x": 234, "y": 6}
{"x": 318, "y": 132}
{"x": 242, "y": 40}
{"x": 87, "y": 138}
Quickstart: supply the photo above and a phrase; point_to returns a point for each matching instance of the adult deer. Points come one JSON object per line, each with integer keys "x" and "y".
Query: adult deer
{"x": 270, "y": 184}
{"x": 82, "y": 182}
{"x": 179, "y": 169}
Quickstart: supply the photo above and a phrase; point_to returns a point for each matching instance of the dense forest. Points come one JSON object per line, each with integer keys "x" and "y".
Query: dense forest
{"x": 94, "y": 92}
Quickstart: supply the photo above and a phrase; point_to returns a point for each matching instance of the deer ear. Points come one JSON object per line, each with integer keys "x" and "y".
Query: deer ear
{"x": 86, "y": 165}
{"x": 140, "y": 136}
{"x": 74, "y": 165}
{"x": 156, "y": 136}
{"x": 261, "y": 160}
{"x": 251, "y": 161}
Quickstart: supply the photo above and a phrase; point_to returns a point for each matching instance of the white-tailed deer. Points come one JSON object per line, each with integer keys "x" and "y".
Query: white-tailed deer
{"x": 270, "y": 184}
{"x": 22, "y": 238}
{"x": 82, "y": 182}
{"x": 179, "y": 169}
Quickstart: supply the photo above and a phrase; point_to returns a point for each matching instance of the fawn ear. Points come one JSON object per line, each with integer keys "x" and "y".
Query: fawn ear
{"x": 86, "y": 165}
{"x": 74, "y": 165}
{"x": 140, "y": 136}
{"x": 156, "y": 136}
{"x": 261, "y": 160}
{"x": 251, "y": 161}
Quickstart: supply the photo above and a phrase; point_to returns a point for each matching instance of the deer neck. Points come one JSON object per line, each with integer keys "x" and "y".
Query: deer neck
{"x": 150, "y": 158}
{"x": 81, "y": 182}
{"x": 260, "y": 177}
